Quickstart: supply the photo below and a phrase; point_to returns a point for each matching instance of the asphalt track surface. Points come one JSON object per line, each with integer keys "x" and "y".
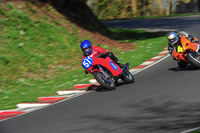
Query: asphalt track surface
{"x": 162, "y": 100}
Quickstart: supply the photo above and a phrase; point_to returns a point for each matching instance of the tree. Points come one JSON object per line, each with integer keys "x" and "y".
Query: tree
{"x": 187, "y": 1}
{"x": 124, "y": 7}
{"x": 134, "y": 7}
{"x": 89, "y": 3}
{"x": 160, "y": 7}
{"x": 151, "y": 7}
{"x": 168, "y": 9}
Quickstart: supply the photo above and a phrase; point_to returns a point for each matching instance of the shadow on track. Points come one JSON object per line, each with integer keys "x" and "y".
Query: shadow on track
{"x": 103, "y": 89}
{"x": 147, "y": 116}
{"x": 189, "y": 67}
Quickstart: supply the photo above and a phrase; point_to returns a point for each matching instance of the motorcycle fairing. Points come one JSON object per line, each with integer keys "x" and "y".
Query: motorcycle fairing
{"x": 105, "y": 62}
{"x": 184, "y": 47}
{"x": 187, "y": 44}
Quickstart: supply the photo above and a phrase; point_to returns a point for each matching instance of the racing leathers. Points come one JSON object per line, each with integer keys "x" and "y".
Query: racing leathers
{"x": 174, "y": 48}
{"x": 100, "y": 52}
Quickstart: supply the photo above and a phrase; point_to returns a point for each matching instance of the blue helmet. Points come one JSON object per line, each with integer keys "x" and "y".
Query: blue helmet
{"x": 86, "y": 44}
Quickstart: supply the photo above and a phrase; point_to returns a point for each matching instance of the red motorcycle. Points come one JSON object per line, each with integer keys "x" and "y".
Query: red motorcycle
{"x": 105, "y": 71}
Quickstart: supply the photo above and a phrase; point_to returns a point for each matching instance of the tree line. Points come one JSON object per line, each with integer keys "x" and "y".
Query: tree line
{"x": 113, "y": 9}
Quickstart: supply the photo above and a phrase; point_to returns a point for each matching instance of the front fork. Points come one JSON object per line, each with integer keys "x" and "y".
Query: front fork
{"x": 104, "y": 73}
{"x": 107, "y": 78}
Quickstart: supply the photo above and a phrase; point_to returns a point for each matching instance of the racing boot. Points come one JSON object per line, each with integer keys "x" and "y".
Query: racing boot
{"x": 123, "y": 66}
{"x": 124, "y": 69}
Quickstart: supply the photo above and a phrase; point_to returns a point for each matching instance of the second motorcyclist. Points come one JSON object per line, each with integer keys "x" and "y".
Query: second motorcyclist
{"x": 174, "y": 42}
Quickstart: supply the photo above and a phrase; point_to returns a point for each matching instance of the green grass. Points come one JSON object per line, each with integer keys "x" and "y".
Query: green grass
{"x": 36, "y": 57}
{"x": 147, "y": 45}
{"x": 197, "y": 131}
{"x": 39, "y": 57}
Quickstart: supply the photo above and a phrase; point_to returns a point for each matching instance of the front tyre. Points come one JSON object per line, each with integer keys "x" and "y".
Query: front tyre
{"x": 193, "y": 58}
{"x": 108, "y": 83}
{"x": 128, "y": 78}
{"x": 181, "y": 64}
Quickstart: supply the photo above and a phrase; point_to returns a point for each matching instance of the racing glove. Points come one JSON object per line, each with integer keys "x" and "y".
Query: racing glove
{"x": 192, "y": 39}
{"x": 86, "y": 72}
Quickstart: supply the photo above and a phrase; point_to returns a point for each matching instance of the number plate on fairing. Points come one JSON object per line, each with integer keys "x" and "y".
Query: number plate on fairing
{"x": 87, "y": 62}
{"x": 179, "y": 49}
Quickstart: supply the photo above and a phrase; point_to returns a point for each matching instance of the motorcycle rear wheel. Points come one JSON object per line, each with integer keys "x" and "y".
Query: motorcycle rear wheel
{"x": 129, "y": 78}
{"x": 101, "y": 79}
{"x": 194, "y": 59}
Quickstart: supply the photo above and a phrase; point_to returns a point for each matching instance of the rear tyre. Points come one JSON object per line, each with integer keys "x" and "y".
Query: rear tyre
{"x": 193, "y": 58}
{"x": 108, "y": 83}
{"x": 129, "y": 78}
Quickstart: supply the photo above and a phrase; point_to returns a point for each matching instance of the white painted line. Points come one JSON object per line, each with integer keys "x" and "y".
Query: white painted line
{"x": 35, "y": 109}
{"x": 190, "y": 130}
{"x": 147, "y": 62}
{"x": 152, "y": 64}
{"x": 70, "y": 95}
{"x": 31, "y": 105}
{"x": 29, "y": 109}
{"x": 133, "y": 70}
{"x": 93, "y": 81}
{"x": 164, "y": 52}
{"x": 157, "y": 57}
{"x": 64, "y": 92}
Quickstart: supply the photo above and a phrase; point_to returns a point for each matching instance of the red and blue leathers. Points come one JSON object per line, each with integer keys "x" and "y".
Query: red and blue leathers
{"x": 96, "y": 51}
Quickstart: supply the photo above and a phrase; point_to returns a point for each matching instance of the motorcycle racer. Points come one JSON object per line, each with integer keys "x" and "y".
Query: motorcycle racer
{"x": 88, "y": 49}
{"x": 174, "y": 42}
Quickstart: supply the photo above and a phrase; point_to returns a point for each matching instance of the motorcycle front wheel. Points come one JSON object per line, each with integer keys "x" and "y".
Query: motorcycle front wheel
{"x": 108, "y": 83}
{"x": 181, "y": 63}
{"x": 193, "y": 58}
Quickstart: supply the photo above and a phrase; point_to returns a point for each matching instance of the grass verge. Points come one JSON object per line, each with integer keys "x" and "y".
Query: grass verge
{"x": 39, "y": 57}
{"x": 147, "y": 45}
{"x": 197, "y": 131}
